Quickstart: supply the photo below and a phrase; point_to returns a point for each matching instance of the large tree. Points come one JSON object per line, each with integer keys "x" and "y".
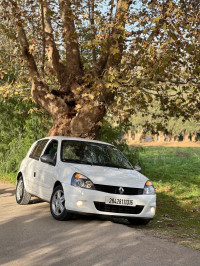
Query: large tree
{"x": 104, "y": 53}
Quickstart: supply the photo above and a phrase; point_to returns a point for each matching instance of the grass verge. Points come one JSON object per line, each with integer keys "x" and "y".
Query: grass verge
{"x": 175, "y": 173}
{"x": 9, "y": 178}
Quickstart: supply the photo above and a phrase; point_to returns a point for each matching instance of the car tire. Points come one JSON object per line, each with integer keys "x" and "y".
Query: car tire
{"x": 22, "y": 196}
{"x": 138, "y": 221}
{"x": 57, "y": 205}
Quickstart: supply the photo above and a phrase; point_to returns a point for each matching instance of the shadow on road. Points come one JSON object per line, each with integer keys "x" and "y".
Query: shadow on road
{"x": 30, "y": 236}
{"x": 7, "y": 192}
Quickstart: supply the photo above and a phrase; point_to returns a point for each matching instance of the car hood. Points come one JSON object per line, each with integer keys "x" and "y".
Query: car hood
{"x": 112, "y": 176}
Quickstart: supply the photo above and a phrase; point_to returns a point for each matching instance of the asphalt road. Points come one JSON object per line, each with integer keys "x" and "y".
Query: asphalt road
{"x": 30, "y": 236}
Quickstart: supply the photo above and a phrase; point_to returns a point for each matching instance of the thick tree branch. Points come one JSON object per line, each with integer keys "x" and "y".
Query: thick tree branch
{"x": 160, "y": 82}
{"x": 52, "y": 51}
{"x": 111, "y": 13}
{"x": 43, "y": 37}
{"x": 87, "y": 118}
{"x": 21, "y": 36}
{"x": 114, "y": 45}
{"x": 118, "y": 33}
{"x": 74, "y": 69}
{"x": 91, "y": 17}
{"x": 40, "y": 92}
{"x": 54, "y": 105}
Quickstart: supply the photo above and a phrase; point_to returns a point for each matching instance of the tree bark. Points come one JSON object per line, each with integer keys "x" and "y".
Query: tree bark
{"x": 84, "y": 124}
{"x": 52, "y": 51}
{"x": 74, "y": 69}
{"x": 175, "y": 138}
{"x": 129, "y": 137}
{"x": 161, "y": 137}
{"x": 194, "y": 137}
{"x": 186, "y": 137}
{"x": 138, "y": 136}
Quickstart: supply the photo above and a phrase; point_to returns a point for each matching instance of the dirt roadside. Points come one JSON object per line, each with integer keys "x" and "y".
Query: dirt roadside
{"x": 166, "y": 144}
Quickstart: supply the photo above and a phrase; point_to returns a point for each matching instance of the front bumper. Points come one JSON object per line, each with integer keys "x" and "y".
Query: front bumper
{"x": 94, "y": 203}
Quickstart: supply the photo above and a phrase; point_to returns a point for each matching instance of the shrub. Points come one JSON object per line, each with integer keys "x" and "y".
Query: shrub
{"x": 21, "y": 125}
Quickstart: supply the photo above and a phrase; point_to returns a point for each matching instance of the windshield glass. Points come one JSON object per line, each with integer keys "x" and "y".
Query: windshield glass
{"x": 84, "y": 152}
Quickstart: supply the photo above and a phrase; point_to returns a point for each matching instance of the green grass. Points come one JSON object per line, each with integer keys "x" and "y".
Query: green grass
{"x": 175, "y": 173}
{"x": 10, "y": 178}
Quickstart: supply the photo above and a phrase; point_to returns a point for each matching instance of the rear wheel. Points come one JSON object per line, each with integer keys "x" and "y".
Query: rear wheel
{"x": 138, "y": 221}
{"x": 22, "y": 196}
{"x": 57, "y": 205}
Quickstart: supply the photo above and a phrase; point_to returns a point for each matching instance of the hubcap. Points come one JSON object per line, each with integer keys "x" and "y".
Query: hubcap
{"x": 58, "y": 202}
{"x": 20, "y": 187}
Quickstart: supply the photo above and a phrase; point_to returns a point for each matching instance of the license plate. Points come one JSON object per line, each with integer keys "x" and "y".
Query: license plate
{"x": 119, "y": 201}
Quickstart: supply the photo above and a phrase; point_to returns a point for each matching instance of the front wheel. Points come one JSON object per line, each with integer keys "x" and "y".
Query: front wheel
{"x": 22, "y": 196}
{"x": 57, "y": 205}
{"x": 138, "y": 221}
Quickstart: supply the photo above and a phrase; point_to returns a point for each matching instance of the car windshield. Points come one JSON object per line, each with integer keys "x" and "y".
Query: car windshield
{"x": 92, "y": 153}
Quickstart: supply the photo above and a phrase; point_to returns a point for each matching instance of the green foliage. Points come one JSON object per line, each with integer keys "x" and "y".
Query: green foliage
{"x": 21, "y": 123}
{"x": 155, "y": 119}
{"x": 114, "y": 134}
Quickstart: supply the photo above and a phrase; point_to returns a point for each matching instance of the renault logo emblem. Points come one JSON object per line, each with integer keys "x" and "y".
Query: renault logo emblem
{"x": 121, "y": 190}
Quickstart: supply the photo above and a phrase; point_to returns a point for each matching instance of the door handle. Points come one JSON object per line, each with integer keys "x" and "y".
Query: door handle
{"x": 34, "y": 174}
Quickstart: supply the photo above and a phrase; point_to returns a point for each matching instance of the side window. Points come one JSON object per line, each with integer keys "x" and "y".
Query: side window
{"x": 37, "y": 150}
{"x": 51, "y": 149}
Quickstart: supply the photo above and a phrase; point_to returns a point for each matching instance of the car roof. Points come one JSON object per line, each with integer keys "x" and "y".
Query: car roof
{"x": 59, "y": 138}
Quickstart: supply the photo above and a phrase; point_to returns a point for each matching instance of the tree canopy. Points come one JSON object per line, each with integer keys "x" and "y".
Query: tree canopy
{"x": 86, "y": 58}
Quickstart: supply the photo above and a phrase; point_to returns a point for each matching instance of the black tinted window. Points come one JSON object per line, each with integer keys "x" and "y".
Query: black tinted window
{"x": 37, "y": 150}
{"x": 51, "y": 149}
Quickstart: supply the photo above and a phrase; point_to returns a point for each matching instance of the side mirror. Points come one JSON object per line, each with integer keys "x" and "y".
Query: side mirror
{"x": 46, "y": 158}
{"x": 137, "y": 168}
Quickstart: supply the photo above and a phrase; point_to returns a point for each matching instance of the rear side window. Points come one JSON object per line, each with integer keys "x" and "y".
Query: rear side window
{"x": 37, "y": 150}
{"x": 51, "y": 149}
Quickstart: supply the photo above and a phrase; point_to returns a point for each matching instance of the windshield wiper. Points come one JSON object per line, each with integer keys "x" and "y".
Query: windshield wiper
{"x": 111, "y": 165}
{"x": 115, "y": 166}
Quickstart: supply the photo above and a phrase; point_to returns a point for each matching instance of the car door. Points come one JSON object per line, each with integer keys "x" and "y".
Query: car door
{"x": 46, "y": 172}
{"x": 31, "y": 166}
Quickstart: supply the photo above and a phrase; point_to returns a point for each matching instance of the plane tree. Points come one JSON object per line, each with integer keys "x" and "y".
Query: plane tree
{"x": 87, "y": 58}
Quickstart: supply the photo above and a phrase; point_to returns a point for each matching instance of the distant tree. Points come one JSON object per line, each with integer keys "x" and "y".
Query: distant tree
{"x": 105, "y": 55}
{"x": 155, "y": 121}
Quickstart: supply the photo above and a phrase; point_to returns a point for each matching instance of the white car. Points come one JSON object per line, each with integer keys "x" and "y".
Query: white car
{"x": 85, "y": 176}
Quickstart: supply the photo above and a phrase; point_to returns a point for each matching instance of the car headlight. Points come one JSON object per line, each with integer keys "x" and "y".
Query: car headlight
{"x": 79, "y": 180}
{"x": 149, "y": 188}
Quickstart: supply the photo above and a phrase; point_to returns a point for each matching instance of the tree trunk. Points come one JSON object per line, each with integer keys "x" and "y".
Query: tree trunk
{"x": 161, "y": 136}
{"x": 84, "y": 124}
{"x": 175, "y": 138}
{"x": 194, "y": 138}
{"x": 154, "y": 137}
{"x": 128, "y": 137}
{"x": 168, "y": 138}
{"x": 186, "y": 137}
{"x": 138, "y": 136}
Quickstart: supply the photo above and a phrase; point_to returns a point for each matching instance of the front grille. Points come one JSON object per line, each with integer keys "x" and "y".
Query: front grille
{"x": 101, "y": 206}
{"x": 115, "y": 190}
